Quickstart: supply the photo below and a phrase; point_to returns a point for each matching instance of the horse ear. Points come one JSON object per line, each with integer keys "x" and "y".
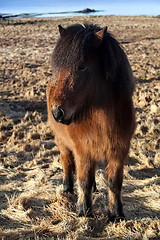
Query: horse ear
{"x": 99, "y": 36}
{"x": 61, "y": 30}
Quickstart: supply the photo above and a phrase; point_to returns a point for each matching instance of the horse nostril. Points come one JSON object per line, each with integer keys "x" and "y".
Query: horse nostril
{"x": 58, "y": 114}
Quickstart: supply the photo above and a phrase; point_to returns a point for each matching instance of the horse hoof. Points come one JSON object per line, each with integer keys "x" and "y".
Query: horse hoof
{"x": 67, "y": 189}
{"x": 114, "y": 218}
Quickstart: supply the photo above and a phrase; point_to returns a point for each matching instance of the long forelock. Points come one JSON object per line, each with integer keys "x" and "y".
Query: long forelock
{"x": 73, "y": 46}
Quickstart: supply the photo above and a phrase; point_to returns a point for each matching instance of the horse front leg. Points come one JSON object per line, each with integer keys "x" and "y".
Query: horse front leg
{"x": 86, "y": 179}
{"x": 67, "y": 160}
{"x": 114, "y": 180}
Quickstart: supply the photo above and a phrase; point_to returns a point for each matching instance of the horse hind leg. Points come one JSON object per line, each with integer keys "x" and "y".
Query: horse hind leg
{"x": 114, "y": 180}
{"x": 67, "y": 160}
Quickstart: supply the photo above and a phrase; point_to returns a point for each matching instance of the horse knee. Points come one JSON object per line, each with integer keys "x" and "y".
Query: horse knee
{"x": 115, "y": 184}
{"x": 67, "y": 163}
{"x": 115, "y": 176}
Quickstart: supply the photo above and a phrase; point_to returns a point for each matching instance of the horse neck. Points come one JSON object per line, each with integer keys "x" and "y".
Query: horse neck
{"x": 102, "y": 97}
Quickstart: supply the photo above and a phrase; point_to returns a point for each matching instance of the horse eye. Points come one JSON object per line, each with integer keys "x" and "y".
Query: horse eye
{"x": 82, "y": 67}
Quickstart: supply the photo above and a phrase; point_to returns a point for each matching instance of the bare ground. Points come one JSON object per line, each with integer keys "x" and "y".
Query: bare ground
{"x": 32, "y": 205}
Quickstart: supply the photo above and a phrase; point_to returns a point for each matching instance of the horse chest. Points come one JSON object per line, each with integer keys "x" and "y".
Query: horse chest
{"x": 90, "y": 139}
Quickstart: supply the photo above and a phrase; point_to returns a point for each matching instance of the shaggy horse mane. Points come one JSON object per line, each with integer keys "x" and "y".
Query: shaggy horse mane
{"x": 78, "y": 41}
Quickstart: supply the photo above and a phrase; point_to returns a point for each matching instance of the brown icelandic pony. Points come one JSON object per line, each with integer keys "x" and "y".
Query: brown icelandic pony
{"x": 90, "y": 110}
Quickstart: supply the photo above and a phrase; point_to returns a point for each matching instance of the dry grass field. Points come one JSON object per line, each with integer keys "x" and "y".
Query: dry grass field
{"x": 32, "y": 205}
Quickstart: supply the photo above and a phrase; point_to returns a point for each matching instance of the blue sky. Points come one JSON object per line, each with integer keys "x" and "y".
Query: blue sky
{"x": 132, "y": 7}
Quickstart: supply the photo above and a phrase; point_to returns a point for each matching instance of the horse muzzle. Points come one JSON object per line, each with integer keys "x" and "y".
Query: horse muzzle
{"x": 60, "y": 116}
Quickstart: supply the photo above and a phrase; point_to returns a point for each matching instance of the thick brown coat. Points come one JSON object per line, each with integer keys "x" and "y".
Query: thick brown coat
{"x": 91, "y": 114}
